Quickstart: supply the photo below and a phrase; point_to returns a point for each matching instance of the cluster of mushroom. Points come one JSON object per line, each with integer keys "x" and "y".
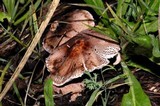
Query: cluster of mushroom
{"x": 74, "y": 48}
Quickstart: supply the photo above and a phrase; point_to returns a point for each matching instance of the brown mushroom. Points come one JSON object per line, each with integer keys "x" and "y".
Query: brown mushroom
{"x": 87, "y": 51}
{"x": 71, "y": 24}
{"x": 74, "y": 88}
{"x": 74, "y": 49}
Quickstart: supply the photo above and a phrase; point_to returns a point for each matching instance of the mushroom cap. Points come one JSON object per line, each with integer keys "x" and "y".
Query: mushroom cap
{"x": 73, "y": 23}
{"x": 87, "y": 51}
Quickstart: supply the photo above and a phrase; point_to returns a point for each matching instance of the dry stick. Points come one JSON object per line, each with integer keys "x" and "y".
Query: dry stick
{"x": 34, "y": 42}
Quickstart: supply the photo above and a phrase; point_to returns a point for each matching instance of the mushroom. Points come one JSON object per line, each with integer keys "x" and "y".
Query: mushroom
{"x": 75, "y": 88}
{"x": 87, "y": 51}
{"x": 74, "y": 49}
{"x": 71, "y": 24}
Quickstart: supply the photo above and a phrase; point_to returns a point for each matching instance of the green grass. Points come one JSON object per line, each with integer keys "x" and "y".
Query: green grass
{"x": 134, "y": 23}
{"x": 22, "y": 25}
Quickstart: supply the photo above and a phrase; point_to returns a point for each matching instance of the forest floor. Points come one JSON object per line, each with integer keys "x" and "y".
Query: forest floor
{"x": 29, "y": 86}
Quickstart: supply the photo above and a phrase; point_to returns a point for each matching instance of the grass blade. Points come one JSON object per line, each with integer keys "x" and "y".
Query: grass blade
{"x": 136, "y": 95}
{"x": 18, "y": 94}
{"x": 93, "y": 97}
{"x": 3, "y": 74}
{"x": 48, "y": 92}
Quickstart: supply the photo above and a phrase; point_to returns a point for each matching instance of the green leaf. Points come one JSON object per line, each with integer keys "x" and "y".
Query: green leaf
{"x": 98, "y": 3}
{"x": 150, "y": 7}
{"x": 136, "y": 95}
{"x": 92, "y": 82}
{"x": 117, "y": 20}
{"x": 9, "y": 5}
{"x": 156, "y": 46}
{"x": 3, "y": 16}
{"x": 122, "y": 7}
{"x": 101, "y": 12}
{"x": 148, "y": 27}
{"x": 154, "y": 5}
{"x": 143, "y": 41}
{"x": 48, "y": 92}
